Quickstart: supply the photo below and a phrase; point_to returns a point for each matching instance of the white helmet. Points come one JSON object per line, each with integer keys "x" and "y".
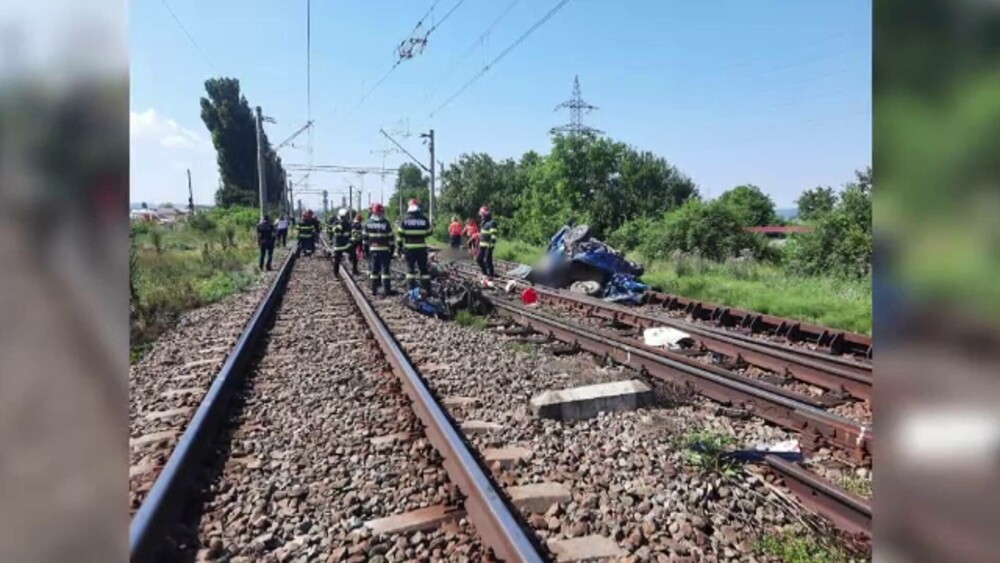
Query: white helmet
{"x": 342, "y": 213}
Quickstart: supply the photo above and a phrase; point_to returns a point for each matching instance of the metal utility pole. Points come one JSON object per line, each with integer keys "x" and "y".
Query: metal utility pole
{"x": 289, "y": 206}
{"x": 326, "y": 207}
{"x": 300, "y": 208}
{"x": 430, "y": 142}
{"x": 190, "y": 194}
{"x": 260, "y": 167}
{"x": 350, "y": 194}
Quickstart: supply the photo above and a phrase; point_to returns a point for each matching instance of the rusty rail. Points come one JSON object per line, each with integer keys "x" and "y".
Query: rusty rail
{"x": 836, "y": 341}
{"x": 847, "y": 511}
{"x": 816, "y": 425}
{"x": 156, "y": 514}
{"x": 832, "y": 373}
{"x": 495, "y": 522}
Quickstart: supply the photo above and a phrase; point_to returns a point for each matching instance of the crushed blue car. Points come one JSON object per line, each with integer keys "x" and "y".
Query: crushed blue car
{"x": 574, "y": 256}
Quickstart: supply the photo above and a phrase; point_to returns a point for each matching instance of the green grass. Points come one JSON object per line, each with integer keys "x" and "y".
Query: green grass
{"x": 706, "y": 451}
{"x": 857, "y": 485}
{"x": 179, "y": 269}
{"x": 517, "y": 251}
{"x": 467, "y": 319}
{"x": 747, "y": 284}
{"x": 793, "y": 546}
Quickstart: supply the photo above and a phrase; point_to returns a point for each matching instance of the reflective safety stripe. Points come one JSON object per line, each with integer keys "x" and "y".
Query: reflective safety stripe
{"x": 374, "y": 276}
{"x": 378, "y": 249}
{"x": 486, "y": 245}
{"x": 379, "y": 235}
{"x": 426, "y": 277}
{"x": 411, "y": 276}
{"x": 414, "y": 246}
{"x": 344, "y": 247}
{"x": 415, "y": 233}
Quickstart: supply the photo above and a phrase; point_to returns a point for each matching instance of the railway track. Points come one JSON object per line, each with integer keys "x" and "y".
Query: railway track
{"x": 325, "y": 452}
{"x": 817, "y": 427}
{"x": 821, "y": 343}
{"x": 315, "y": 452}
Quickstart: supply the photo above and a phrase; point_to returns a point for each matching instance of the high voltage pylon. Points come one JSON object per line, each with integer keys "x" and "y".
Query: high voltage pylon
{"x": 576, "y": 107}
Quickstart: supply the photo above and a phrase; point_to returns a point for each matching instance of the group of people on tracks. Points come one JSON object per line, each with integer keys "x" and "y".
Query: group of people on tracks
{"x": 378, "y": 240}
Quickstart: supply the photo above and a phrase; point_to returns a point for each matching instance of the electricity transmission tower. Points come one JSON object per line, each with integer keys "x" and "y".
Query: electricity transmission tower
{"x": 576, "y": 107}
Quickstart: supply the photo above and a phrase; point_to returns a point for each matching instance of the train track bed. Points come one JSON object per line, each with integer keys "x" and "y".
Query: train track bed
{"x": 325, "y": 442}
{"x": 168, "y": 383}
{"x": 845, "y": 406}
{"x": 635, "y": 477}
{"x": 857, "y": 353}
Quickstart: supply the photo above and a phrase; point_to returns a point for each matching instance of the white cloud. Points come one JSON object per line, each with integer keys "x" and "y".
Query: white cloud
{"x": 162, "y": 150}
{"x": 151, "y": 126}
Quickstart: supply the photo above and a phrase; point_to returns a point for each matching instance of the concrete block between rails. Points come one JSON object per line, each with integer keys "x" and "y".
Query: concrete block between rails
{"x": 586, "y": 548}
{"x": 585, "y": 402}
{"x": 415, "y": 520}
{"x": 539, "y": 497}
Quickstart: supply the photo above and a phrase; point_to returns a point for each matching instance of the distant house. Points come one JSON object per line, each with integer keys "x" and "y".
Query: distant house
{"x": 777, "y": 235}
{"x": 170, "y": 215}
{"x": 780, "y": 232}
{"x": 148, "y": 215}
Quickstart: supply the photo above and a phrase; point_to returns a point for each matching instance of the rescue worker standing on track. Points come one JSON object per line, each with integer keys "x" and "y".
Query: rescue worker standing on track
{"x": 414, "y": 229}
{"x": 355, "y": 253}
{"x": 308, "y": 231}
{"x": 341, "y": 240}
{"x": 487, "y": 241}
{"x": 378, "y": 241}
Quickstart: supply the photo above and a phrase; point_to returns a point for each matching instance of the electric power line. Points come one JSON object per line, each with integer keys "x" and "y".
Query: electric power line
{"x": 450, "y": 12}
{"x": 191, "y": 39}
{"x": 476, "y": 43}
{"x": 503, "y": 54}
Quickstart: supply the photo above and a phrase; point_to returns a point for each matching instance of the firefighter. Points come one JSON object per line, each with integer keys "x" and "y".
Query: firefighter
{"x": 341, "y": 241}
{"x": 377, "y": 238}
{"x": 356, "y": 253}
{"x": 414, "y": 228}
{"x": 307, "y": 230}
{"x": 487, "y": 241}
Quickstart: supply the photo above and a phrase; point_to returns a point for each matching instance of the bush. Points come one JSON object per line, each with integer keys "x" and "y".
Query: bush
{"x": 156, "y": 239}
{"x": 841, "y": 243}
{"x": 202, "y": 222}
{"x": 713, "y": 230}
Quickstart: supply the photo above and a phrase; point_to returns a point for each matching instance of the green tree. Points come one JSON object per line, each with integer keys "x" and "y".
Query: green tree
{"x": 597, "y": 181}
{"x": 753, "y": 206}
{"x": 143, "y": 205}
{"x": 228, "y": 117}
{"x": 410, "y": 183}
{"x": 816, "y": 203}
{"x": 714, "y": 229}
{"x": 842, "y": 242}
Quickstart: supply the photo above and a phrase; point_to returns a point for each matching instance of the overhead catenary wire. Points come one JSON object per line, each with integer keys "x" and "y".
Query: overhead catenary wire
{"x": 503, "y": 54}
{"x": 468, "y": 52}
{"x": 190, "y": 38}
{"x": 443, "y": 19}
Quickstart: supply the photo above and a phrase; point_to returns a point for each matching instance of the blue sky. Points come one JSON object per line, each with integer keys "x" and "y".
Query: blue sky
{"x": 771, "y": 92}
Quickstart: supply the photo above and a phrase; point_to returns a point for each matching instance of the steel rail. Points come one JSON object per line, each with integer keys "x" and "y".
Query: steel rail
{"x": 156, "y": 514}
{"x": 837, "y": 341}
{"x": 844, "y": 377}
{"x": 847, "y": 511}
{"x": 485, "y": 506}
{"x": 816, "y": 425}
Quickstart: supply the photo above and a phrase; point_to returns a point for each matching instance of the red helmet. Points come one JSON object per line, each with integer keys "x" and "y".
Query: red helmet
{"x": 484, "y": 210}
{"x": 377, "y": 208}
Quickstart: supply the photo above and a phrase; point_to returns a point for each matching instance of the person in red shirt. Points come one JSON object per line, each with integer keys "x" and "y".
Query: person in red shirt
{"x": 472, "y": 231}
{"x": 455, "y": 231}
